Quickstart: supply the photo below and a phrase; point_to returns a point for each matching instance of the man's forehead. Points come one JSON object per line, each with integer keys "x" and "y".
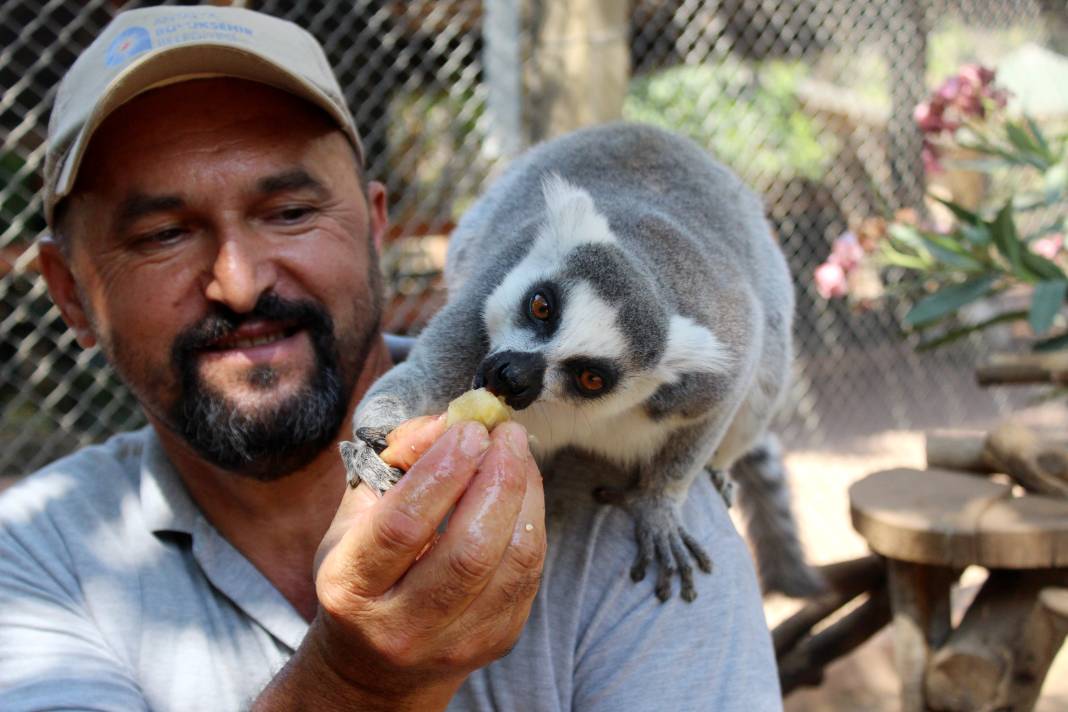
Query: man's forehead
{"x": 196, "y": 122}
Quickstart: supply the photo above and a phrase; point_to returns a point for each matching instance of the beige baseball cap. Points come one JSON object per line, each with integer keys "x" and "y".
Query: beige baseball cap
{"x": 155, "y": 46}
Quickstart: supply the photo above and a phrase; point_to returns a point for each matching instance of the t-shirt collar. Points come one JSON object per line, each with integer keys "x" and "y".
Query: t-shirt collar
{"x": 165, "y": 502}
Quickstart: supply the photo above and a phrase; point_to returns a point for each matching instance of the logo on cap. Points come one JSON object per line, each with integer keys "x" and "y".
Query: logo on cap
{"x": 131, "y": 42}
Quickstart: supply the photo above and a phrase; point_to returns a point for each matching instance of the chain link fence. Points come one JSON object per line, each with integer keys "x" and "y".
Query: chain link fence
{"x": 809, "y": 100}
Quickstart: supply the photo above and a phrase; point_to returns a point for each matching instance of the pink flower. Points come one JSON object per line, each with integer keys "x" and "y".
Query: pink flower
{"x": 928, "y": 117}
{"x": 976, "y": 74}
{"x": 1048, "y": 247}
{"x": 831, "y": 280}
{"x": 846, "y": 252}
{"x": 929, "y": 153}
{"x": 1000, "y": 97}
{"x": 949, "y": 90}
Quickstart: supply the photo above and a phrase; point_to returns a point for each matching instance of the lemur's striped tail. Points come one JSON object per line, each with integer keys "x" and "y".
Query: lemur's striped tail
{"x": 763, "y": 497}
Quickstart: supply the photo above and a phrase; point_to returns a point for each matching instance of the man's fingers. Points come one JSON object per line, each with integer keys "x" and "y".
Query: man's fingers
{"x": 354, "y": 502}
{"x": 516, "y": 580}
{"x": 382, "y": 544}
{"x": 411, "y": 439}
{"x": 481, "y": 528}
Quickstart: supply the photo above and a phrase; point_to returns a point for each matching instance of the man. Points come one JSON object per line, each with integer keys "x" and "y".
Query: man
{"x": 214, "y": 234}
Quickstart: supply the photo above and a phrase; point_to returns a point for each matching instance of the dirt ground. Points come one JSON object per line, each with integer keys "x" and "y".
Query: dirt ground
{"x": 866, "y": 679}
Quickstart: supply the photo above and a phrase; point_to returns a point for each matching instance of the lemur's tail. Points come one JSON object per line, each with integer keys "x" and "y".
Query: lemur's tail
{"x": 763, "y": 497}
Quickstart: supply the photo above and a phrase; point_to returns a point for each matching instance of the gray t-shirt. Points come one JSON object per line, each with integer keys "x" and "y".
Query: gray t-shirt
{"x": 117, "y": 594}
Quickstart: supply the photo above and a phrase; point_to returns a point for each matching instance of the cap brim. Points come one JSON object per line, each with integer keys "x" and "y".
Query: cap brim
{"x": 183, "y": 63}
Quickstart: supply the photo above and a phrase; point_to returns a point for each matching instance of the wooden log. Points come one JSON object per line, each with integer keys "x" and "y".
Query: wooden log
{"x": 1023, "y": 369}
{"x": 1055, "y": 600}
{"x": 845, "y": 580}
{"x": 804, "y": 664}
{"x": 959, "y": 450}
{"x": 919, "y": 600}
{"x": 923, "y": 516}
{"x": 1036, "y": 465}
{"x": 998, "y": 657}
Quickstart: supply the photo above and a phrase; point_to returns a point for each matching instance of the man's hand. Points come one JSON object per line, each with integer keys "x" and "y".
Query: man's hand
{"x": 405, "y": 613}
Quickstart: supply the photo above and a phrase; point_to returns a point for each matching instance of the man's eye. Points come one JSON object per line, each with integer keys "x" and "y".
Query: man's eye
{"x": 167, "y": 236}
{"x": 292, "y": 214}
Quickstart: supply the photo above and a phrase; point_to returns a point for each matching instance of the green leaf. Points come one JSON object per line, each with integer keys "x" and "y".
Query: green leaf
{"x": 1045, "y": 304}
{"x": 978, "y": 234}
{"x": 1022, "y": 140}
{"x": 1043, "y": 145}
{"x": 1003, "y": 233}
{"x": 898, "y": 259}
{"x": 951, "y": 253}
{"x": 1040, "y": 266}
{"x": 907, "y": 234}
{"x": 947, "y": 300}
{"x": 962, "y": 213}
{"x": 1052, "y": 343}
{"x": 1055, "y": 181}
{"x": 956, "y": 334}
{"x": 1014, "y": 159}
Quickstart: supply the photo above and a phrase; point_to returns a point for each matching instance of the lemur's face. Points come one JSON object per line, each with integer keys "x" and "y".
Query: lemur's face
{"x": 576, "y": 322}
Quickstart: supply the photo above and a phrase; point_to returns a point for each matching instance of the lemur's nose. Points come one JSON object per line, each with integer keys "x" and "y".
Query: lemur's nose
{"x": 515, "y": 375}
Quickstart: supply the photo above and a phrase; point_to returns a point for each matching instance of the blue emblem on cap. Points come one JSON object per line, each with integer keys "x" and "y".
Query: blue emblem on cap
{"x": 131, "y": 42}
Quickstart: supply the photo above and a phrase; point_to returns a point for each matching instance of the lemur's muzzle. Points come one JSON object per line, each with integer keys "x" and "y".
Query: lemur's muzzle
{"x": 515, "y": 375}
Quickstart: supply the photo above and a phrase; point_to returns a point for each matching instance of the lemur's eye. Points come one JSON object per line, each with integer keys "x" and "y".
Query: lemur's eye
{"x": 590, "y": 381}
{"x": 540, "y": 308}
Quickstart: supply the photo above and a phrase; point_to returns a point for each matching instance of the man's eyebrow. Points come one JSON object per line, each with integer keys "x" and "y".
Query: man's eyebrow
{"x": 139, "y": 205}
{"x": 296, "y": 179}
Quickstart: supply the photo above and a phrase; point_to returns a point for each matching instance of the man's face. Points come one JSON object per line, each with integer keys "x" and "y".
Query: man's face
{"x": 222, "y": 250}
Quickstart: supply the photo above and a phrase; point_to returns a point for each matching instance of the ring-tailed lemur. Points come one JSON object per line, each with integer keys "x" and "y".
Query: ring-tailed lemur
{"x": 623, "y": 292}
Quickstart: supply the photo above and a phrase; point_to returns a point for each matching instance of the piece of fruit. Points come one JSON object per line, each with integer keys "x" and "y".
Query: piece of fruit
{"x": 480, "y": 405}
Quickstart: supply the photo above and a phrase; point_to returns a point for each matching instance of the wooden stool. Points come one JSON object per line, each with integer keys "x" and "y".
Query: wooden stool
{"x": 930, "y": 525}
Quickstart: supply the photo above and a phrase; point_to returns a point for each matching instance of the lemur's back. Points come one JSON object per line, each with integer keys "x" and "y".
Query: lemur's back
{"x": 662, "y": 194}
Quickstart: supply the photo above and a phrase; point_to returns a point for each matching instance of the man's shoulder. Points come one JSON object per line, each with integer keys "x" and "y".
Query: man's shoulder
{"x": 76, "y": 488}
{"x": 596, "y": 639}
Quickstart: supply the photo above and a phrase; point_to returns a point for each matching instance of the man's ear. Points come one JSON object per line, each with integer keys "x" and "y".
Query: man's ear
{"x": 378, "y": 207}
{"x": 64, "y": 290}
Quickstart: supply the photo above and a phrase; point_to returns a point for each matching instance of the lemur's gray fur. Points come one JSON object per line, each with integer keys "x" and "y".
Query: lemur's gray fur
{"x": 660, "y": 277}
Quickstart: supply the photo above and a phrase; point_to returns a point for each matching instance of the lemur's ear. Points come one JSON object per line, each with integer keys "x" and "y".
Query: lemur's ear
{"x": 571, "y": 216}
{"x": 691, "y": 348}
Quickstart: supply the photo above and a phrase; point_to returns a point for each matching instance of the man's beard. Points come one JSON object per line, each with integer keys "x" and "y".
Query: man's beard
{"x": 266, "y": 443}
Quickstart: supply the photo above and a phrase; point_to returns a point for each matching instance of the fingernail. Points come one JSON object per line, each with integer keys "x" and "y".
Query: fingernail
{"x": 517, "y": 443}
{"x": 474, "y": 440}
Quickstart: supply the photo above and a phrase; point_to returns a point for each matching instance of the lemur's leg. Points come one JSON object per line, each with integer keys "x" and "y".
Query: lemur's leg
{"x": 424, "y": 383}
{"x": 655, "y": 504}
{"x": 764, "y": 501}
{"x": 660, "y": 537}
{"x": 362, "y": 464}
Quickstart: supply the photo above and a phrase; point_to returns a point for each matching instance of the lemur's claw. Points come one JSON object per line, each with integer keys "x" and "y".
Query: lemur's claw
{"x": 362, "y": 464}
{"x": 660, "y": 536}
{"x": 375, "y": 437}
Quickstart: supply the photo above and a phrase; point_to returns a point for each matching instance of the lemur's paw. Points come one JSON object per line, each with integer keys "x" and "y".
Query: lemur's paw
{"x": 661, "y": 537}
{"x": 362, "y": 464}
{"x": 375, "y": 437}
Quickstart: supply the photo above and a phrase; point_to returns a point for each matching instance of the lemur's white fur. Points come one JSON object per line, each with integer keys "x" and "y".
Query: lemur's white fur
{"x": 573, "y": 219}
{"x": 615, "y": 426}
{"x": 691, "y": 348}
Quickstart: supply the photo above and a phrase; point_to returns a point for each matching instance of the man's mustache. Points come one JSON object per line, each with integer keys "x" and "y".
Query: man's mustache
{"x": 223, "y": 321}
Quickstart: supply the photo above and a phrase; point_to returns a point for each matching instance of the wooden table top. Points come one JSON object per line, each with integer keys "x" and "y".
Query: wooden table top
{"x": 956, "y": 519}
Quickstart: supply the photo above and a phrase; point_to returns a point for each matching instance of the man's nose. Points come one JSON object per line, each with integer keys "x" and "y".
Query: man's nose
{"x": 242, "y": 272}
